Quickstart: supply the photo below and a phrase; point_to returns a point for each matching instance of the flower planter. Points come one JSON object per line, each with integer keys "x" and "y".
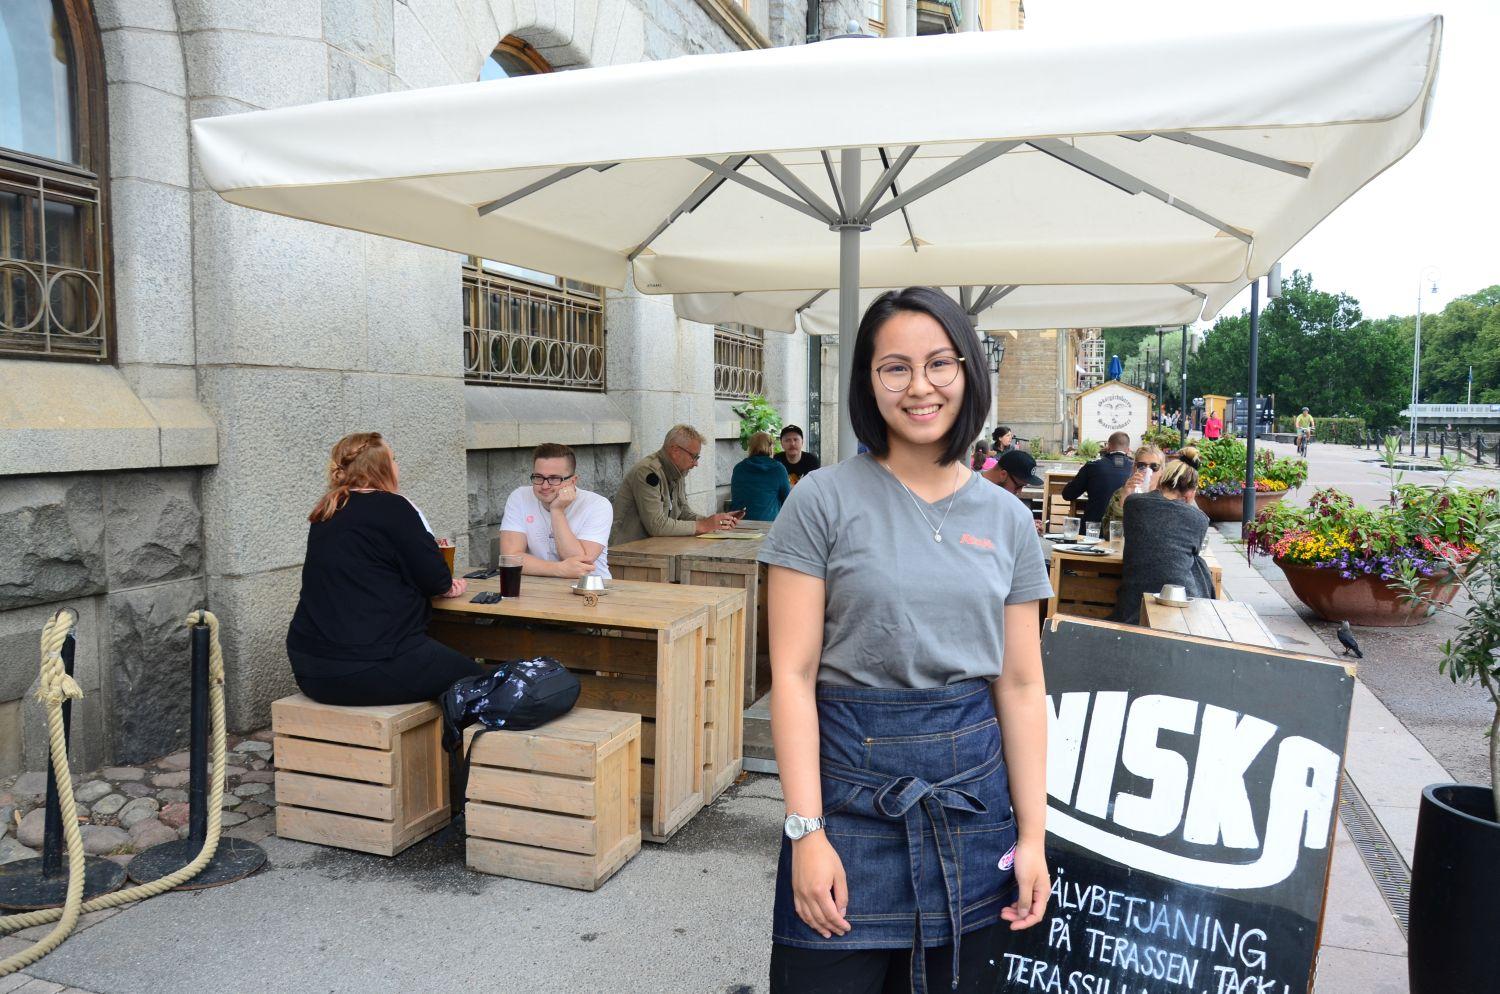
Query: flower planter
{"x": 1455, "y": 876}
{"x": 1231, "y": 508}
{"x": 1364, "y": 600}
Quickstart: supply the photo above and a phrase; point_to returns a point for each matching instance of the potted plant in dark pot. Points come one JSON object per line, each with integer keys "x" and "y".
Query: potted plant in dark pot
{"x": 1341, "y": 558}
{"x": 1452, "y": 939}
{"x": 1221, "y": 476}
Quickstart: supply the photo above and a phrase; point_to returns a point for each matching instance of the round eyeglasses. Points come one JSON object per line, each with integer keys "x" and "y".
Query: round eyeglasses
{"x": 940, "y": 371}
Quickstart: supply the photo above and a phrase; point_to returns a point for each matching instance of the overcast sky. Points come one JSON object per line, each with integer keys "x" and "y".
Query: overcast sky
{"x": 1439, "y": 206}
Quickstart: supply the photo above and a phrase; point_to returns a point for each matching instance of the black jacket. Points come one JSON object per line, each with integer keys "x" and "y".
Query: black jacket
{"x": 1100, "y": 479}
{"x": 369, "y": 572}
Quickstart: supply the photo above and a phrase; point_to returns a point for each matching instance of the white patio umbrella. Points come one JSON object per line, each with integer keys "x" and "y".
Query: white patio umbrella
{"x": 1170, "y": 159}
{"x": 993, "y": 308}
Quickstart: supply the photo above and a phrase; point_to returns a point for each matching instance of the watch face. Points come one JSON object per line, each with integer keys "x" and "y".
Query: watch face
{"x": 794, "y": 827}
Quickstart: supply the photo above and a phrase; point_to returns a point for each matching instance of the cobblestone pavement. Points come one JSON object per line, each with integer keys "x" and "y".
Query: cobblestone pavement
{"x": 127, "y": 809}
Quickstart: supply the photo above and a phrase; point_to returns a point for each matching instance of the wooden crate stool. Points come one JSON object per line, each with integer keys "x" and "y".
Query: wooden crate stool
{"x": 373, "y": 779}
{"x": 558, "y": 804}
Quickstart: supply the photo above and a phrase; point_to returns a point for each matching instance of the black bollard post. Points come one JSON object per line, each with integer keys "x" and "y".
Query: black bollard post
{"x": 234, "y": 859}
{"x": 33, "y": 884}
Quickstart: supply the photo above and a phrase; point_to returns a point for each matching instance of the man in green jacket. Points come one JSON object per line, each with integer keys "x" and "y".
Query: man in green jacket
{"x": 653, "y": 501}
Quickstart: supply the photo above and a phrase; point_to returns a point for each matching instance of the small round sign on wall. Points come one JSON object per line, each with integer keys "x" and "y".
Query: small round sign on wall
{"x": 1115, "y": 413}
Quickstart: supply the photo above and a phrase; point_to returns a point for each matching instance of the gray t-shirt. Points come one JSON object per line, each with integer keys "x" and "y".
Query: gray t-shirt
{"x": 900, "y": 609}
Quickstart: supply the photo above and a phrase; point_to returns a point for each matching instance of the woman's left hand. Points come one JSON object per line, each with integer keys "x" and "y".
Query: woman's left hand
{"x": 1033, "y": 887}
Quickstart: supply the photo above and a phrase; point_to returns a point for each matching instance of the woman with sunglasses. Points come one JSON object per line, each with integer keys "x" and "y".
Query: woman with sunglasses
{"x": 911, "y": 740}
{"x": 1164, "y": 530}
{"x": 1144, "y": 478}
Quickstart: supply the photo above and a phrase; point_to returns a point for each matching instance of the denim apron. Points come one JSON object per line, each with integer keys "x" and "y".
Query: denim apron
{"x": 918, "y": 808}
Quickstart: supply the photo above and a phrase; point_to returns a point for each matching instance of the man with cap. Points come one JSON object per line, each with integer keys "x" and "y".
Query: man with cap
{"x": 1015, "y": 471}
{"x": 653, "y": 500}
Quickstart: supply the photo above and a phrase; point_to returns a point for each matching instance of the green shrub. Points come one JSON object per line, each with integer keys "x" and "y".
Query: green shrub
{"x": 1163, "y": 437}
{"x": 1089, "y": 449}
{"x": 757, "y": 414}
{"x": 1339, "y": 431}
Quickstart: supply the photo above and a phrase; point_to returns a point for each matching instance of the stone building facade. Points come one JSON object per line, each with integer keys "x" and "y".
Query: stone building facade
{"x": 1037, "y": 382}
{"x": 167, "y": 461}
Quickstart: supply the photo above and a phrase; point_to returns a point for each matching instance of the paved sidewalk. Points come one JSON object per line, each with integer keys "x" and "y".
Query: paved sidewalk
{"x": 692, "y": 916}
{"x": 1364, "y": 950}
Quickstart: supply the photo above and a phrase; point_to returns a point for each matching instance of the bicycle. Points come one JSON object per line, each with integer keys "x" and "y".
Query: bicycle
{"x": 1304, "y": 436}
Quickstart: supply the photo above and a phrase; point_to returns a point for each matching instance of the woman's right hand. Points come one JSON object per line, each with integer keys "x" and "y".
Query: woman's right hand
{"x": 1136, "y": 479}
{"x": 819, "y": 888}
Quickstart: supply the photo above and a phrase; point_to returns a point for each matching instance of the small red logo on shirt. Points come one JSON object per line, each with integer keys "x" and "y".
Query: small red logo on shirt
{"x": 530, "y": 519}
{"x": 982, "y": 543}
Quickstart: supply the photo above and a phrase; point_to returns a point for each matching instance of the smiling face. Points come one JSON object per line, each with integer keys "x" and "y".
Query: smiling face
{"x": 546, "y": 492}
{"x": 912, "y": 350}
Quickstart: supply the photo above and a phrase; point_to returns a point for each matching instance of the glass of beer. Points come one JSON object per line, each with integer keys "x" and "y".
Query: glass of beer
{"x": 447, "y": 548}
{"x": 510, "y": 576}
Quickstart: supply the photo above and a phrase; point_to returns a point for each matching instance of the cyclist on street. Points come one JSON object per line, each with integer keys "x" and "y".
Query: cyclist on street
{"x": 1305, "y": 424}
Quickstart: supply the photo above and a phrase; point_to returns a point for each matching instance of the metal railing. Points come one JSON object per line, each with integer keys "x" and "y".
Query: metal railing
{"x": 1483, "y": 448}
{"x": 521, "y": 334}
{"x": 739, "y": 362}
{"x": 52, "y": 290}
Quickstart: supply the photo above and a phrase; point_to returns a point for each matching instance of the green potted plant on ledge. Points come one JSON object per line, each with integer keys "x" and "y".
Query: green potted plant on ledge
{"x": 1341, "y": 559}
{"x": 1221, "y": 486}
{"x": 1456, "y": 865}
{"x": 757, "y": 414}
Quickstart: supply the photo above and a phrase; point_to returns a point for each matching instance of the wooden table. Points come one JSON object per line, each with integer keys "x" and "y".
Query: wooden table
{"x": 1226, "y": 621}
{"x": 635, "y": 650}
{"x": 1054, "y": 507}
{"x": 1088, "y": 585}
{"x": 710, "y": 563}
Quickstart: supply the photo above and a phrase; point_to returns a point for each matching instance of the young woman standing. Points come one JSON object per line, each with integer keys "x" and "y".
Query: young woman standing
{"x": 915, "y": 820}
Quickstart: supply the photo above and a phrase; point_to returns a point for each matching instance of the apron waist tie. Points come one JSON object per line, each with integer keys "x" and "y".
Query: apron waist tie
{"x": 906, "y": 799}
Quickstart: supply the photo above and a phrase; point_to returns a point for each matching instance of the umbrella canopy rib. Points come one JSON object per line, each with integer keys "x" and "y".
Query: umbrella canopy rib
{"x": 700, "y": 193}
{"x": 763, "y": 190}
{"x": 773, "y": 165}
{"x": 887, "y": 179}
{"x": 1128, "y": 183}
{"x": 1244, "y": 155}
{"x": 838, "y": 195}
{"x": 966, "y": 163}
{"x": 541, "y": 184}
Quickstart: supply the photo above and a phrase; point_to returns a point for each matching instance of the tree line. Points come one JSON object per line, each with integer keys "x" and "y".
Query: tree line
{"x": 1318, "y": 350}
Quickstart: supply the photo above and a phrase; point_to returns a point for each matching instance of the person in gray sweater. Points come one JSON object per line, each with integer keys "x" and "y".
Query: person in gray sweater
{"x": 1164, "y": 530}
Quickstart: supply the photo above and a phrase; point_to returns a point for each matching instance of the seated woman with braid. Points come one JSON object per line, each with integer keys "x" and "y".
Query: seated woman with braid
{"x": 1164, "y": 530}
{"x": 359, "y": 636}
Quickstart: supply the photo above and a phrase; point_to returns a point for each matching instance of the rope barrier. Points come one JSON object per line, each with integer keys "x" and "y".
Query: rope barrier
{"x": 56, "y": 686}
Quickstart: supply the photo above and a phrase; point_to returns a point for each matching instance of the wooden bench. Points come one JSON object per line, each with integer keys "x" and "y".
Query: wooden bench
{"x": 558, "y": 804}
{"x": 374, "y": 779}
{"x": 1224, "y": 621}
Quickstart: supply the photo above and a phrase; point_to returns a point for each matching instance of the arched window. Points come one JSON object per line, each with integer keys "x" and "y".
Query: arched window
{"x": 523, "y": 327}
{"x": 53, "y": 274}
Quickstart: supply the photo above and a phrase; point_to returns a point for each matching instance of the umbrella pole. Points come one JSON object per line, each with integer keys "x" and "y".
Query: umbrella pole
{"x": 849, "y": 231}
{"x": 1247, "y": 506}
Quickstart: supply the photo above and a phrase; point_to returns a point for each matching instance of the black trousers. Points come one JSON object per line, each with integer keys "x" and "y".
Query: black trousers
{"x": 888, "y": 971}
{"x": 421, "y": 674}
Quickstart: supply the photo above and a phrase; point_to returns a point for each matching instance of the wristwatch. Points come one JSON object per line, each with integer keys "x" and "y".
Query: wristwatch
{"x": 797, "y": 826}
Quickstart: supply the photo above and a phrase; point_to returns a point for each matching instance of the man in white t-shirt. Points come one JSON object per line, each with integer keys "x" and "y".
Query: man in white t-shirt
{"x": 559, "y": 529}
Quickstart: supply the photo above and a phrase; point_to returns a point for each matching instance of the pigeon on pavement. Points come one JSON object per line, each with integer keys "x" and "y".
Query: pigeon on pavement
{"x": 1346, "y": 639}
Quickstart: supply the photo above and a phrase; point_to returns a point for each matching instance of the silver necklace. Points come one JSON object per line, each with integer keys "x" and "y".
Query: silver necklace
{"x": 937, "y": 533}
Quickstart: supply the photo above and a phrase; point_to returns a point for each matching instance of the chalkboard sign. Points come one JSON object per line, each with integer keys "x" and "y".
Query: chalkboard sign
{"x": 1192, "y": 791}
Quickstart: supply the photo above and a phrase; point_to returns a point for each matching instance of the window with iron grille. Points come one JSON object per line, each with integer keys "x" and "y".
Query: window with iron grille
{"x": 54, "y": 294}
{"x": 520, "y": 333}
{"x": 739, "y": 361}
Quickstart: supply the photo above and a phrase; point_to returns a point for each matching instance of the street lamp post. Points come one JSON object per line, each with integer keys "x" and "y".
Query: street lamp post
{"x": 1429, "y": 276}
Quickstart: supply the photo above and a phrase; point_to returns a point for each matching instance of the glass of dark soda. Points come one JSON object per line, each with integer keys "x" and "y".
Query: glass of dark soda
{"x": 510, "y": 576}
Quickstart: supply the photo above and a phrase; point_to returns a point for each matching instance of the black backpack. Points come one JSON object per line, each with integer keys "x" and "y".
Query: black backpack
{"x": 519, "y": 694}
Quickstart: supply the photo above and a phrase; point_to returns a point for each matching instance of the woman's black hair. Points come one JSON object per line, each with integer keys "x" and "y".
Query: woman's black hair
{"x": 1000, "y": 432}
{"x": 869, "y": 427}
